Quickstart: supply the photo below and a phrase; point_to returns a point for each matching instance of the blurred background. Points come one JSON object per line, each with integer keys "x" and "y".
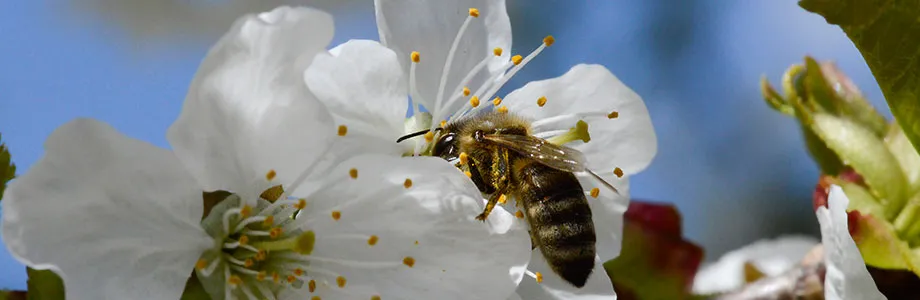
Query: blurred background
{"x": 737, "y": 170}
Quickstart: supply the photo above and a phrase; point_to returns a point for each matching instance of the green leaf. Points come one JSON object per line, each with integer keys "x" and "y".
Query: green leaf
{"x": 887, "y": 33}
{"x": 44, "y": 285}
{"x": 7, "y": 168}
{"x": 861, "y": 199}
{"x": 860, "y": 149}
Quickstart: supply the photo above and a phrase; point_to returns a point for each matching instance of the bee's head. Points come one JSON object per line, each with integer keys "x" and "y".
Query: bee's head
{"x": 446, "y": 146}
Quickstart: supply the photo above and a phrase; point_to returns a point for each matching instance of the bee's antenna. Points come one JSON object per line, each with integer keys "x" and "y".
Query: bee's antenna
{"x": 598, "y": 177}
{"x": 415, "y": 134}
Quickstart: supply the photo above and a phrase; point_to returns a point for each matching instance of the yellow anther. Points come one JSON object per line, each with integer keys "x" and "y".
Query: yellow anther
{"x": 245, "y": 211}
{"x": 269, "y": 220}
{"x": 316, "y": 298}
{"x": 305, "y": 243}
{"x": 311, "y": 286}
{"x": 613, "y": 115}
{"x": 503, "y": 109}
{"x": 408, "y": 183}
{"x": 275, "y": 232}
{"x": 301, "y": 203}
{"x": 340, "y": 281}
{"x": 519, "y": 214}
{"x": 517, "y": 59}
{"x": 466, "y": 91}
{"x": 409, "y": 261}
{"x": 429, "y": 136}
{"x": 270, "y": 175}
{"x": 502, "y": 199}
{"x": 248, "y": 262}
{"x": 201, "y": 264}
{"x": 474, "y": 101}
{"x": 474, "y": 12}
{"x": 234, "y": 280}
{"x": 353, "y": 173}
{"x": 497, "y": 101}
{"x": 298, "y": 272}
{"x": 539, "y": 277}
{"x": 497, "y": 51}
{"x": 443, "y": 123}
{"x": 415, "y": 56}
{"x": 541, "y": 101}
{"x": 618, "y": 172}
{"x": 549, "y": 40}
{"x": 595, "y": 192}
{"x": 275, "y": 277}
{"x": 464, "y": 158}
{"x": 260, "y": 276}
{"x": 291, "y": 278}
{"x": 244, "y": 240}
{"x": 372, "y": 240}
{"x": 416, "y": 242}
{"x": 336, "y": 215}
{"x": 343, "y": 130}
{"x": 467, "y": 173}
{"x": 273, "y": 193}
{"x": 375, "y": 297}
{"x": 260, "y": 256}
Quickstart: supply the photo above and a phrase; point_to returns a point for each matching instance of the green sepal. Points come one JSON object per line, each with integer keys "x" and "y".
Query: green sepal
{"x": 774, "y": 99}
{"x": 850, "y": 102}
{"x": 887, "y": 34}
{"x": 44, "y": 285}
{"x": 860, "y": 149}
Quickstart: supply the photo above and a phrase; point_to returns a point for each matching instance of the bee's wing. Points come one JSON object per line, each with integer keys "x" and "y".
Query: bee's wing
{"x": 555, "y": 156}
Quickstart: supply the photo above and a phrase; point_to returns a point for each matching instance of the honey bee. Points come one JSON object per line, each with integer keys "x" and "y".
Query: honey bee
{"x": 503, "y": 159}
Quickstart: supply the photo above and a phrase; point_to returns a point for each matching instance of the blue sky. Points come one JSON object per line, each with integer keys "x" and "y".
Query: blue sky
{"x": 723, "y": 154}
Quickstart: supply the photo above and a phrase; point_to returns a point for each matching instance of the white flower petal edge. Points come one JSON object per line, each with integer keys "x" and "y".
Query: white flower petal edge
{"x": 846, "y": 276}
{"x": 553, "y": 287}
{"x": 427, "y": 244}
{"x": 591, "y": 93}
{"x": 607, "y": 212}
{"x": 115, "y": 217}
{"x": 248, "y": 110}
{"x": 771, "y": 256}
{"x": 361, "y": 84}
{"x": 431, "y": 28}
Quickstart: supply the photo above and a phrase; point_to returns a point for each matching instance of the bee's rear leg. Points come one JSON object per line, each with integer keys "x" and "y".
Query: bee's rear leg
{"x": 493, "y": 200}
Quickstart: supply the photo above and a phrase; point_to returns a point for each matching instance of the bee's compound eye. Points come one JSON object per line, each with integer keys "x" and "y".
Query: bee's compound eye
{"x": 445, "y": 146}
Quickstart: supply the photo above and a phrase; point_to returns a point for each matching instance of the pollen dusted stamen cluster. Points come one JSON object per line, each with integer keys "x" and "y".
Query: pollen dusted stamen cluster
{"x": 262, "y": 248}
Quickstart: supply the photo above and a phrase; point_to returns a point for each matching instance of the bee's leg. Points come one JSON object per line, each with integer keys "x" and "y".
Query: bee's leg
{"x": 500, "y": 180}
{"x": 476, "y": 176}
{"x": 493, "y": 200}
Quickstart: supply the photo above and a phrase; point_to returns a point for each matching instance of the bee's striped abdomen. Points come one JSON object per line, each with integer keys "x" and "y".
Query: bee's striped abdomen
{"x": 560, "y": 219}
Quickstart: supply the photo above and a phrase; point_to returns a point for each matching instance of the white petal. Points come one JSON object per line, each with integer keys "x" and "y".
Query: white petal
{"x": 430, "y": 27}
{"x": 455, "y": 257}
{"x": 846, "y": 276}
{"x": 627, "y": 142}
{"x": 607, "y": 212}
{"x": 114, "y": 216}
{"x": 248, "y": 110}
{"x": 772, "y": 257}
{"x": 554, "y": 288}
{"x": 361, "y": 84}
